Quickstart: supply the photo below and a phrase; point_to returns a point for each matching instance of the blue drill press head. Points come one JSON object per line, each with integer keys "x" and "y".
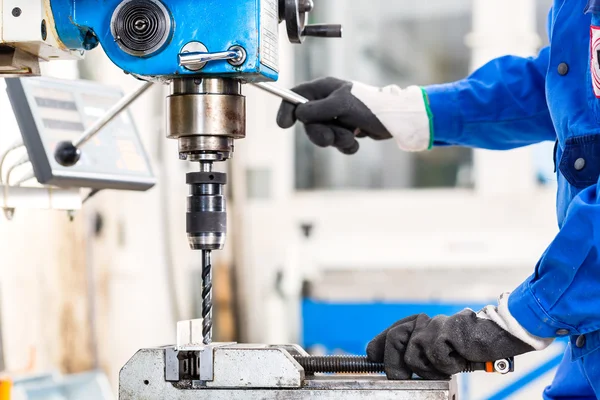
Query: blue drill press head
{"x": 205, "y": 50}
{"x": 149, "y": 37}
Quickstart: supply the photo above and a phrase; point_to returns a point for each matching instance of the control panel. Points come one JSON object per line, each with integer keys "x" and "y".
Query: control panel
{"x": 50, "y": 111}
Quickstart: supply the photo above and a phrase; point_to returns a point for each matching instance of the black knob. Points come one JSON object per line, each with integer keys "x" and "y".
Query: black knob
{"x": 281, "y": 7}
{"x": 307, "y": 229}
{"x": 323, "y": 30}
{"x": 295, "y": 14}
{"x": 305, "y": 6}
{"x": 66, "y": 154}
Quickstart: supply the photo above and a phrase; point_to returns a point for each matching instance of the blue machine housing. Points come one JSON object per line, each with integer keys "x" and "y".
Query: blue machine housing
{"x": 218, "y": 24}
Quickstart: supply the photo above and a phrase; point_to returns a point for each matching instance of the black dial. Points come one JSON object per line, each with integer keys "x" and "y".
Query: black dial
{"x": 295, "y": 14}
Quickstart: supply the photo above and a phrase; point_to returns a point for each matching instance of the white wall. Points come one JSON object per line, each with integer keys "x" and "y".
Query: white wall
{"x": 500, "y": 28}
{"x": 43, "y": 293}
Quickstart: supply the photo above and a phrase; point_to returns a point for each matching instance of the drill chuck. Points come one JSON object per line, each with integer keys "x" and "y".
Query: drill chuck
{"x": 206, "y": 219}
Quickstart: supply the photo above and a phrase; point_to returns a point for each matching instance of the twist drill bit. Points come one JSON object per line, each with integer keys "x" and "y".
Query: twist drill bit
{"x": 206, "y": 296}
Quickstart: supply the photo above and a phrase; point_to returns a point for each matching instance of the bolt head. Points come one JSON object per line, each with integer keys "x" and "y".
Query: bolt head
{"x": 140, "y": 24}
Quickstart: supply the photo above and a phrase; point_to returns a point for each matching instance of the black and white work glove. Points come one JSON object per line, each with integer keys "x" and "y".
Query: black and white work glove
{"x": 340, "y": 111}
{"x": 436, "y": 348}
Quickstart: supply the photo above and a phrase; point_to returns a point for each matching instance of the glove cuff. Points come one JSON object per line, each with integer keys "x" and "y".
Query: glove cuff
{"x": 429, "y": 115}
{"x": 501, "y": 315}
{"x": 404, "y": 113}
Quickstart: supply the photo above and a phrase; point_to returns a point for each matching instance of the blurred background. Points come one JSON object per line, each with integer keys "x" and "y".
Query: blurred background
{"x": 326, "y": 250}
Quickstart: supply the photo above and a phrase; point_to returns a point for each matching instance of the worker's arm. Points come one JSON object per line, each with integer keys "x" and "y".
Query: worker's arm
{"x": 500, "y": 106}
{"x": 562, "y": 297}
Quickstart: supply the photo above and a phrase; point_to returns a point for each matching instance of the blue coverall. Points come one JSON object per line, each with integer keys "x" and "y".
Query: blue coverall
{"x": 513, "y": 102}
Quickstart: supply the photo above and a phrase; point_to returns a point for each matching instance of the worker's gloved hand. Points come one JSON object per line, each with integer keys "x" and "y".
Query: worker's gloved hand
{"x": 339, "y": 111}
{"x": 436, "y": 348}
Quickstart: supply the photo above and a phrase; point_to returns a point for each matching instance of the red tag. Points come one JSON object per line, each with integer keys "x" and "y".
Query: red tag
{"x": 595, "y": 58}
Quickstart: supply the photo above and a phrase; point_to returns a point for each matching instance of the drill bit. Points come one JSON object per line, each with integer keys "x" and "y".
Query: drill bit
{"x": 206, "y": 166}
{"x": 206, "y": 296}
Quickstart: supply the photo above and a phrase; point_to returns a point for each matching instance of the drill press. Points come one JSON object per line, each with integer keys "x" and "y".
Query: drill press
{"x": 205, "y": 50}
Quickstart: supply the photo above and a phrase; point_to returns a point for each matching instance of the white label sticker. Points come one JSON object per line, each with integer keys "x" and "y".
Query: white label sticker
{"x": 269, "y": 33}
{"x": 595, "y": 59}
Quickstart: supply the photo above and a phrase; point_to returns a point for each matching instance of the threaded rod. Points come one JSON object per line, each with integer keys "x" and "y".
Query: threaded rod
{"x": 353, "y": 365}
{"x": 338, "y": 364}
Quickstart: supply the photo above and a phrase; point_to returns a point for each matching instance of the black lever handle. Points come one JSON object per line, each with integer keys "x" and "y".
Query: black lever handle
{"x": 323, "y": 30}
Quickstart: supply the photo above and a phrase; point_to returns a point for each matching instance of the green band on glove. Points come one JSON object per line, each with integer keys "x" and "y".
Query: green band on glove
{"x": 430, "y": 116}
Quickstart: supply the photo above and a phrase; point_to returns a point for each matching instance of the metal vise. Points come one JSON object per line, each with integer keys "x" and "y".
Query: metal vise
{"x": 237, "y": 371}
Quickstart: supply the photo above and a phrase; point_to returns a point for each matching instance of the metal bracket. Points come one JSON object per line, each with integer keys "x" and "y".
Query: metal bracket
{"x": 195, "y": 55}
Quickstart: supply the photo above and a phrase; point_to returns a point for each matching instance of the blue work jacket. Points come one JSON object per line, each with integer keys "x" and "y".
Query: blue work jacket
{"x": 513, "y": 102}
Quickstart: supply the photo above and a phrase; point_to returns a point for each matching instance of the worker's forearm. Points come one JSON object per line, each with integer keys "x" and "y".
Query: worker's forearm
{"x": 500, "y": 106}
{"x": 561, "y": 297}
